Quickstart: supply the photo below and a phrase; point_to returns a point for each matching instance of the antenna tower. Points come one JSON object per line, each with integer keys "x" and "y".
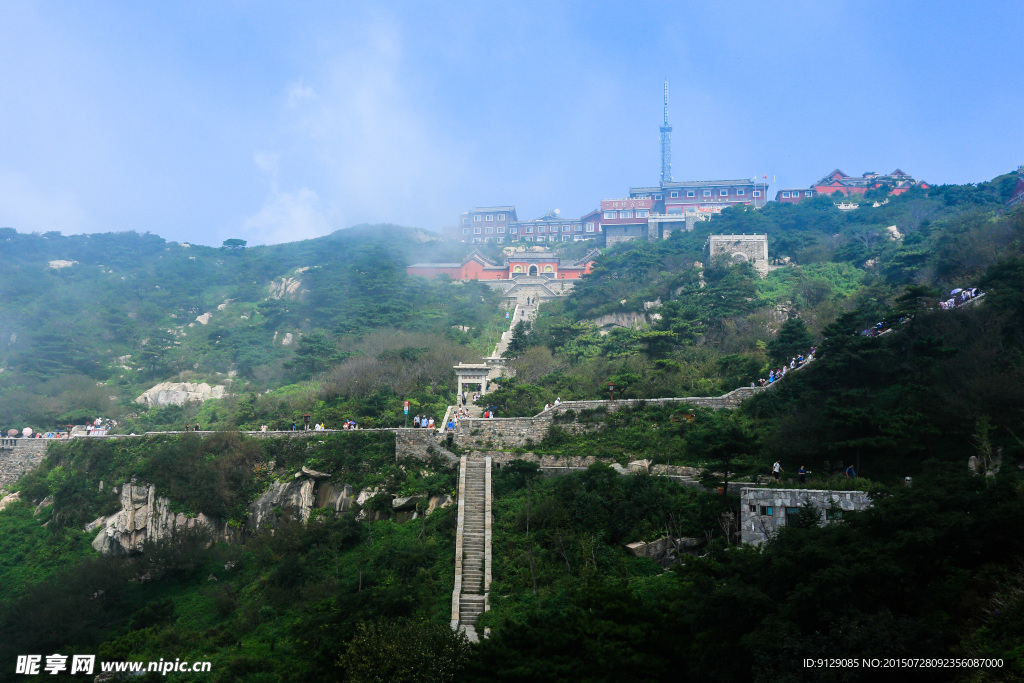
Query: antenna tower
{"x": 666, "y": 145}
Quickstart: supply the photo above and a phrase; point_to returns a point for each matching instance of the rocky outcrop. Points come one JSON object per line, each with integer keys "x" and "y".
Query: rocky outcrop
{"x": 295, "y": 500}
{"x": 179, "y": 393}
{"x": 57, "y": 264}
{"x": 8, "y": 500}
{"x": 288, "y": 287}
{"x": 608, "y": 322}
{"x": 144, "y": 518}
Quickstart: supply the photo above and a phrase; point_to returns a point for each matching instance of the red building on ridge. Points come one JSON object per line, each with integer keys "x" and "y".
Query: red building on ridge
{"x": 837, "y": 181}
{"x": 476, "y": 266}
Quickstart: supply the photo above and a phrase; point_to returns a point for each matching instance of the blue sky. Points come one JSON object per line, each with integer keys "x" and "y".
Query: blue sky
{"x": 202, "y": 121}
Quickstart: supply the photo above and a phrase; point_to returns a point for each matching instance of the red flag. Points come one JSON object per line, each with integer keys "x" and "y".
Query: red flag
{"x": 765, "y": 176}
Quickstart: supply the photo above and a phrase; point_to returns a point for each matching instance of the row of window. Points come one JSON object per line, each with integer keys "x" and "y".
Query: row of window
{"x": 486, "y": 217}
{"x": 807, "y": 193}
{"x": 590, "y": 227}
{"x": 769, "y": 511}
{"x": 552, "y": 238}
{"x": 640, "y": 213}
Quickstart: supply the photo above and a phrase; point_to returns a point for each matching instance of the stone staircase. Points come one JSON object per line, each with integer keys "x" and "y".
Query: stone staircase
{"x": 472, "y": 545}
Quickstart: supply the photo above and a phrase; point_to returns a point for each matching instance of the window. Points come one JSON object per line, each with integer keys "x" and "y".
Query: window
{"x": 476, "y": 230}
{"x": 590, "y": 227}
{"x": 625, "y": 214}
{"x": 740, "y": 193}
{"x": 834, "y": 514}
{"x": 611, "y": 214}
{"x": 565, "y": 238}
{"x": 566, "y": 228}
{"x": 529, "y": 228}
{"x": 513, "y": 230}
{"x": 548, "y": 269}
{"x": 707, "y": 193}
{"x": 577, "y": 228}
{"x": 642, "y": 213}
{"x": 792, "y": 511}
{"x": 501, "y": 229}
{"x": 767, "y": 510}
{"x": 723, "y": 193}
{"x": 753, "y": 508}
{"x": 488, "y": 230}
{"x": 517, "y": 269}
{"x": 786, "y": 195}
{"x": 674, "y": 195}
{"x": 657, "y": 196}
{"x": 501, "y": 216}
{"x": 757, "y": 193}
{"x": 691, "y": 193}
{"x": 465, "y": 219}
{"x": 476, "y": 218}
{"x": 541, "y": 228}
{"x": 490, "y": 217}
{"x": 808, "y": 194}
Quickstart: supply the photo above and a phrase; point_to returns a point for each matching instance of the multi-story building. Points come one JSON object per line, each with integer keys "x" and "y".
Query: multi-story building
{"x": 483, "y": 224}
{"x": 625, "y": 219}
{"x": 553, "y": 227}
{"x": 795, "y": 195}
{"x": 837, "y": 181}
{"x": 500, "y": 224}
{"x": 702, "y": 196}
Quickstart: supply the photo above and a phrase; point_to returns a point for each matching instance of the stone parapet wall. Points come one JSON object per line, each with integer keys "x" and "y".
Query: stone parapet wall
{"x": 763, "y": 510}
{"x": 522, "y": 432}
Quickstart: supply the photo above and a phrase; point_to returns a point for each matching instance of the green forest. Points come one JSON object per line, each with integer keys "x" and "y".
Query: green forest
{"x": 933, "y": 569}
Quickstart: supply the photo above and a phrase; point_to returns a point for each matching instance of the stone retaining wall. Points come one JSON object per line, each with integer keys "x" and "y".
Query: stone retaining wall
{"x": 18, "y": 456}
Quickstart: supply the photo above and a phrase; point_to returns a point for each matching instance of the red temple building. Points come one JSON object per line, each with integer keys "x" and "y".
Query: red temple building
{"x": 837, "y": 181}
{"x": 476, "y": 266}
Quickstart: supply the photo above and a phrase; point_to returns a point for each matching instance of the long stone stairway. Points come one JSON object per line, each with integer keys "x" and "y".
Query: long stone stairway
{"x": 472, "y": 545}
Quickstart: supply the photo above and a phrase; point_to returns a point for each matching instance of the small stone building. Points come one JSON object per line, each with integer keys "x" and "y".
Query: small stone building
{"x": 764, "y": 511}
{"x": 750, "y": 248}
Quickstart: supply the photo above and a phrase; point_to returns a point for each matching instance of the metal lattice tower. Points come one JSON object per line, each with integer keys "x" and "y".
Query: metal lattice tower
{"x": 666, "y": 145}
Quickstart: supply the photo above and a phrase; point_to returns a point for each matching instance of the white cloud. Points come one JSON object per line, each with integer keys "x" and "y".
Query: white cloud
{"x": 287, "y": 217}
{"x": 298, "y": 92}
{"x": 26, "y": 207}
{"x": 369, "y": 135}
{"x": 267, "y": 161}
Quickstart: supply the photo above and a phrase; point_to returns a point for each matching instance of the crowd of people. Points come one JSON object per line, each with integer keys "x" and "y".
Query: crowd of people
{"x": 960, "y": 296}
{"x": 98, "y": 427}
{"x": 776, "y": 374}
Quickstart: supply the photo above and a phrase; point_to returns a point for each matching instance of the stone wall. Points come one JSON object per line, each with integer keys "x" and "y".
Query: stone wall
{"x": 18, "y": 456}
{"x": 519, "y": 432}
{"x": 763, "y": 511}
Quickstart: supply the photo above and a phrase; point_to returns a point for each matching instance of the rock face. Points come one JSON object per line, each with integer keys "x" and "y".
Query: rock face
{"x": 144, "y": 517}
{"x": 7, "y": 500}
{"x": 296, "y": 499}
{"x": 288, "y": 287}
{"x": 179, "y": 393}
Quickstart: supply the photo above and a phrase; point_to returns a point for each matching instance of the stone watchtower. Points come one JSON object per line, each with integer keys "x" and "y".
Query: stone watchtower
{"x": 739, "y": 248}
